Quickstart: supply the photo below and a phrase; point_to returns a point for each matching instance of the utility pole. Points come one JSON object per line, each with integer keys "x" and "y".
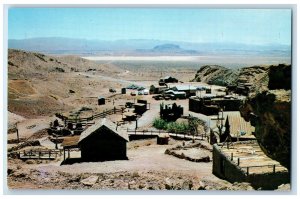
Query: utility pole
{"x": 18, "y": 138}
{"x": 136, "y": 123}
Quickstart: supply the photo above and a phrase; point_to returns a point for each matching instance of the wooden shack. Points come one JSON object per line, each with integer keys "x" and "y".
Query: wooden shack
{"x": 101, "y": 100}
{"x": 123, "y": 90}
{"x": 163, "y": 139}
{"x": 102, "y": 142}
{"x": 140, "y": 107}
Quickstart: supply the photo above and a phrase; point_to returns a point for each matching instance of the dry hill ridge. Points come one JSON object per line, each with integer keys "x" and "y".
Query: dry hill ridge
{"x": 41, "y": 85}
{"x": 24, "y": 64}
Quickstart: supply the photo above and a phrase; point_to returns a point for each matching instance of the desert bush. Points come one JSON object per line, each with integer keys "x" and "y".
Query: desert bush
{"x": 172, "y": 127}
{"x": 160, "y": 123}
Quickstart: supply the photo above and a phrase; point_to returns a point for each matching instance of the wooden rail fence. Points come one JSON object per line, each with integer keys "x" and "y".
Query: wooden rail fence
{"x": 158, "y": 132}
{"x": 40, "y": 154}
{"x": 87, "y": 119}
{"x": 247, "y": 168}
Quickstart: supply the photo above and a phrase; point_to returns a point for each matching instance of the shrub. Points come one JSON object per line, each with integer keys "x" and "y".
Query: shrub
{"x": 160, "y": 123}
{"x": 172, "y": 127}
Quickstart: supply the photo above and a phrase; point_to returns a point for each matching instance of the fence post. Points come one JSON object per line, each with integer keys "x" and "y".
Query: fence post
{"x": 238, "y": 161}
{"x": 247, "y": 171}
{"x": 274, "y": 168}
{"x": 231, "y": 156}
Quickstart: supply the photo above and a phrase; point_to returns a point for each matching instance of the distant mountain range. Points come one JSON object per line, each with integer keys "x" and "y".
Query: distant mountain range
{"x": 143, "y": 47}
{"x": 169, "y": 49}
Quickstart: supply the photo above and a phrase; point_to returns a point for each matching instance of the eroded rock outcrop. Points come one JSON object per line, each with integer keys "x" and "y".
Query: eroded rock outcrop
{"x": 214, "y": 74}
{"x": 270, "y": 112}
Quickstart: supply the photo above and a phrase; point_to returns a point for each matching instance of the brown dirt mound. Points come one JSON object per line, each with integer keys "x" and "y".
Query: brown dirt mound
{"x": 41, "y": 106}
{"x": 19, "y": 88}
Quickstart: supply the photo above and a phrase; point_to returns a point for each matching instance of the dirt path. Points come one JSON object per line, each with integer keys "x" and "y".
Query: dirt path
{"x": 141, "y": 158}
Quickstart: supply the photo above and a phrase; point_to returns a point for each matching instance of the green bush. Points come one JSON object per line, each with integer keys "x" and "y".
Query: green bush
{"x": 172, "y": 127}
{"x": 160, "y": 123}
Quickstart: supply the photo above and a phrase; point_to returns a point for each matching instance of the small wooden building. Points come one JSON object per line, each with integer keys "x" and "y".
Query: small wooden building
{"x": 157, "y": 89}
{"x": 102, "y": 142}
{"x": 140, "y": 107}
{"x": 163, "y": 139}
{"x": 123, "y": 90}
{"x": 101, "y": 100}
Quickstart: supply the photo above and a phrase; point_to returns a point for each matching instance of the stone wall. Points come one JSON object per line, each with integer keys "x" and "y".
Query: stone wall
{"x": 230, "y": 171}
{"x": 233, "y": 173}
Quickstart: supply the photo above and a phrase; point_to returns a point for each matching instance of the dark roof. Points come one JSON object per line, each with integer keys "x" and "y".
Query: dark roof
{"x": 103, "y": 123}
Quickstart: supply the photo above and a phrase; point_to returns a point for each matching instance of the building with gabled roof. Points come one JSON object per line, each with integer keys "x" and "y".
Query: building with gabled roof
{"x": 102, "y": 142}
{"x": 188, "y": 89}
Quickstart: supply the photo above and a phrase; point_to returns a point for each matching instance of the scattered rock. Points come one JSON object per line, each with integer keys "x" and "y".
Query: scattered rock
{"x": 187, "y": 185}
{"x": 242, "y": 186}
{"x": 284, "y": 187}
{"x": 201, "y": 186}
{"x": 30, "y": 162}
{"x": 90, "y": 181}
{"x": 25, "y": 144}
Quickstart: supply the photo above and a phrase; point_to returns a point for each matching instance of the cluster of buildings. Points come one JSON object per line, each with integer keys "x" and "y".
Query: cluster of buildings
{"x": 237, "y": 157}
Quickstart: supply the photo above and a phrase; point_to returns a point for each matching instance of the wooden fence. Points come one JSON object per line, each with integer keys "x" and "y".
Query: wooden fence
{"x": 271, "y": 168}
{"x": 255, "y": 168}
{"x": 40, "y": 154}
{"x": 87, "y": 119}
{"x": 175, "y": 134}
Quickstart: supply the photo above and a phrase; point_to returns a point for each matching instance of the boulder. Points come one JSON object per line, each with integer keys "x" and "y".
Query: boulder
{"x": 90, "y": 181}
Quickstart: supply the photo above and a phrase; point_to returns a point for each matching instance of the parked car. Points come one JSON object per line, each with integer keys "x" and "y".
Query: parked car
{"x": 140, "y": 88}
{"x": 133, "y": 93}
{"x": 140, "y": 93}
{"x": 157, "y": 97}
{"x": 146, "y": 92}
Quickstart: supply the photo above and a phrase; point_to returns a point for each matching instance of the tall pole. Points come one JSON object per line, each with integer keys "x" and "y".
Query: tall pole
{"x": 17, "y": 132}
{"x": 136, "y": 123}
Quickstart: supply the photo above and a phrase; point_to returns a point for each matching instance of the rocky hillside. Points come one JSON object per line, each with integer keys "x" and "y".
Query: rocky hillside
{"x": 256, "y": 78}
{"x": 270, "y": 112}
{"x": 268, "y": 106}
{"x": 41, "y": 85}
{"x": 215, "y": 74}
{"x": 24, "y": 64}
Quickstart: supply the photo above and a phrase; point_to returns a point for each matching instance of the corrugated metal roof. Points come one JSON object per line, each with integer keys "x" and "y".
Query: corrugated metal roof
{"x": 184, "y": 87}
{"x": 102, "y": 123}
{"x": 237, "y": 124}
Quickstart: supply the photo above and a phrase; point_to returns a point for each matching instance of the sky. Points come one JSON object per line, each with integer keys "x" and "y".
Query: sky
{"x": 249, "y": 26}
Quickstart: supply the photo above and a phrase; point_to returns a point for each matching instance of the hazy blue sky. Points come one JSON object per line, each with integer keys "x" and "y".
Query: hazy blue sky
{"x": 192, "y": 25}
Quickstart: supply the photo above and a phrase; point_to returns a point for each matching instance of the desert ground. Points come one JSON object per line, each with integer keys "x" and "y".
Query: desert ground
{"x": 36, "y": 94}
